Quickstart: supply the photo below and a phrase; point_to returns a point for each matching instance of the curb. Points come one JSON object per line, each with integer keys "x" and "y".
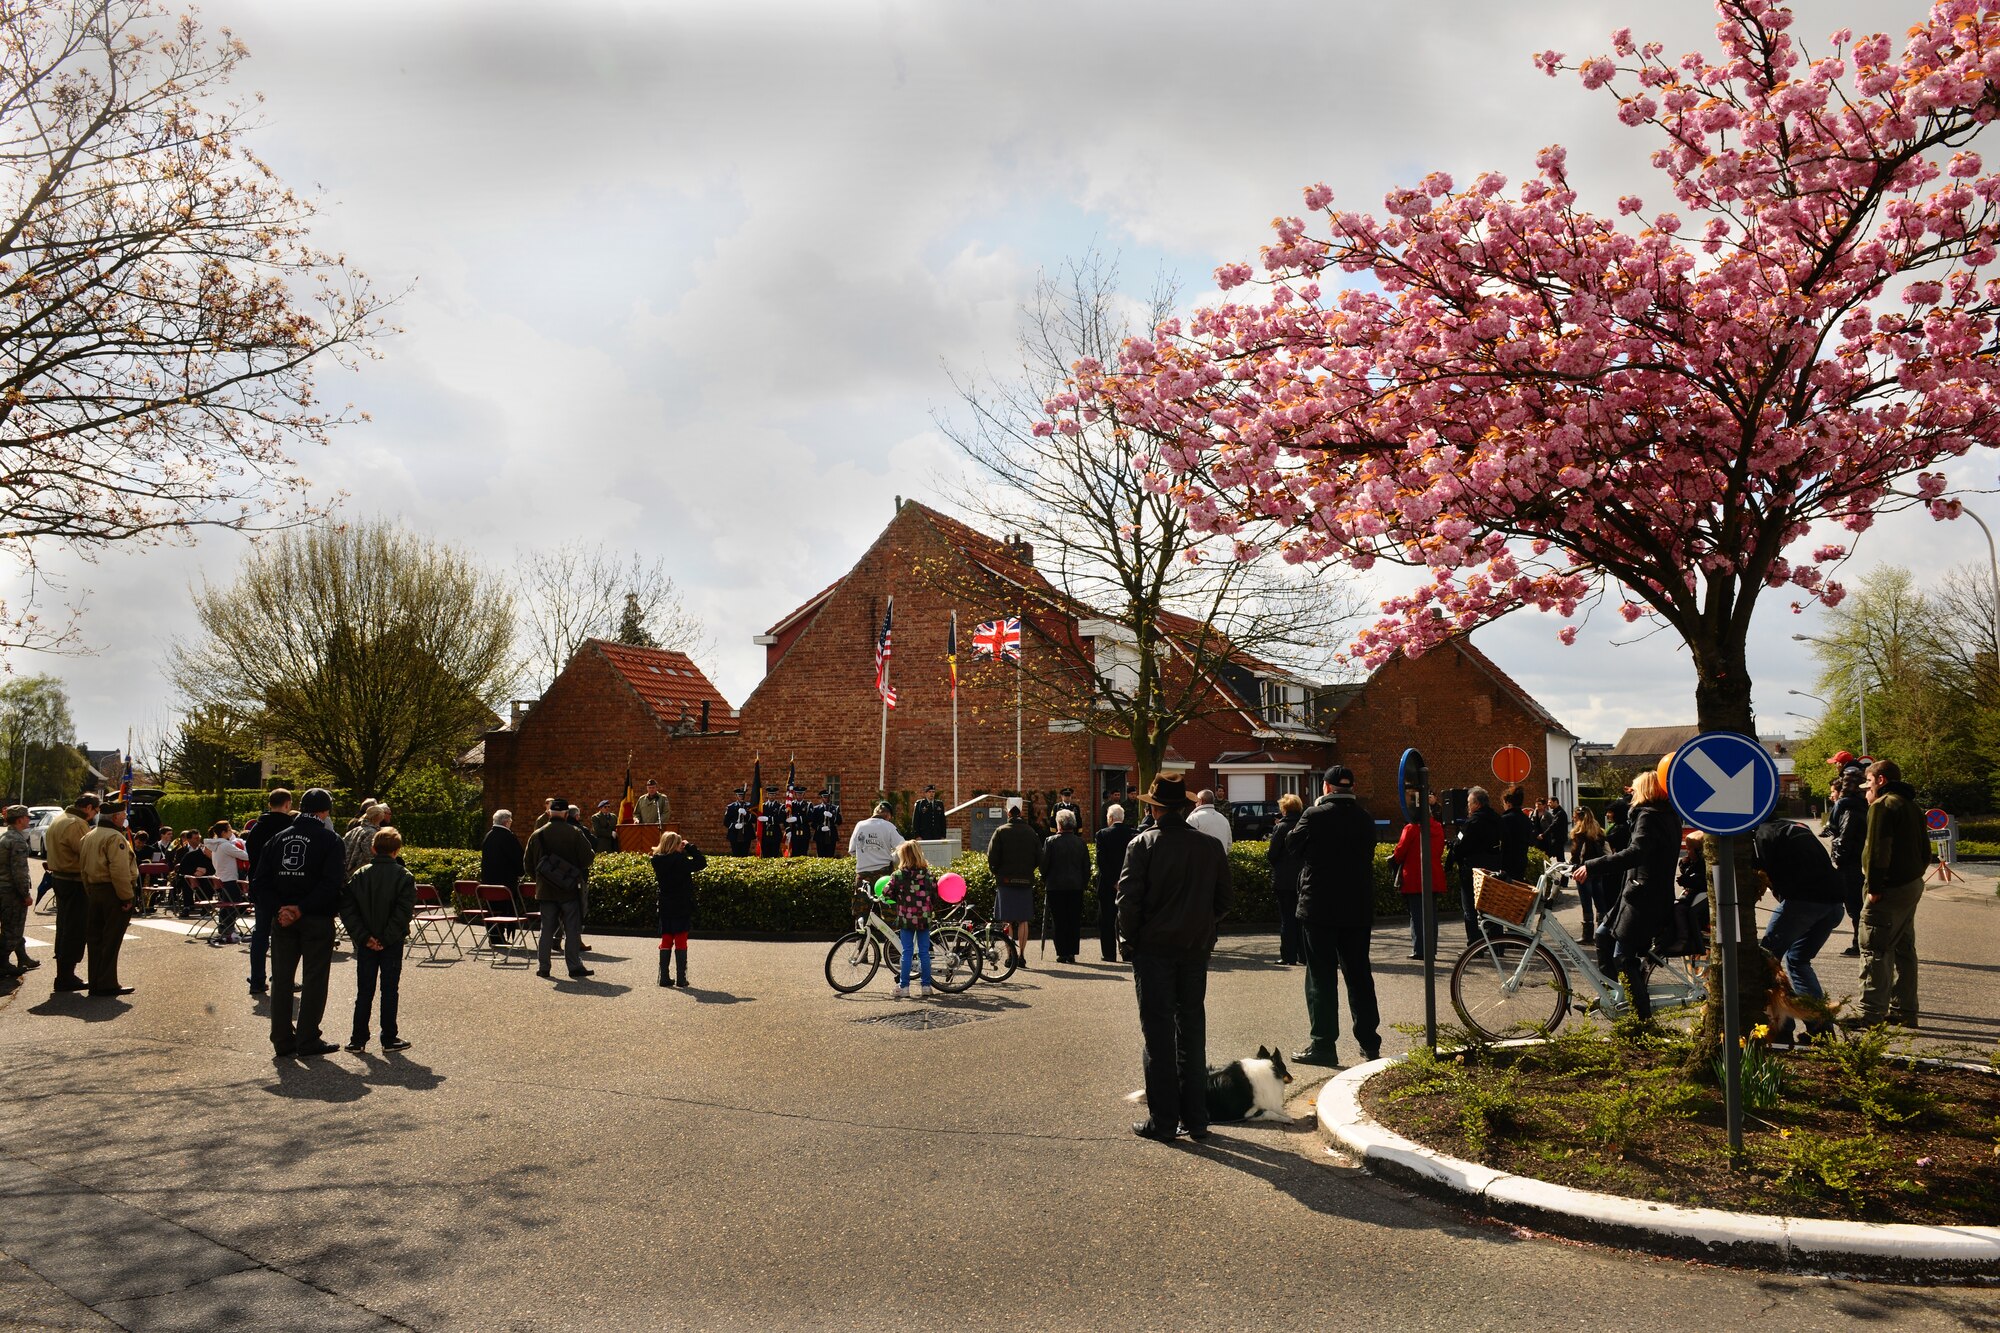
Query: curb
{"x": 1754, "y": 1240}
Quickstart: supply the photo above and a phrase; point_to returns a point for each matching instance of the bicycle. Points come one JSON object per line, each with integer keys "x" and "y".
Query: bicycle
{"x": 1515, "y": 980}
{"x": 856, "y": 956}
{"x": 997, "y": 955}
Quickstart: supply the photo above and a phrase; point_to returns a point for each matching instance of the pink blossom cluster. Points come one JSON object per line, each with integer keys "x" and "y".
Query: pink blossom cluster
{"x": 1536, "y": 402}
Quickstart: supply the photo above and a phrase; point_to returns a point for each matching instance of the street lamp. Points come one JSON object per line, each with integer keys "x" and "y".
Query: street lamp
{"x": 1814, "y": 697}
{"x": 1992, "y": 557}
{"x": 1860, "y": 694}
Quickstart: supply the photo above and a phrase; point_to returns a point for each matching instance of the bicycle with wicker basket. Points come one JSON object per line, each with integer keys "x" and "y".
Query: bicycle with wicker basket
{"x": 1515, "y": 980}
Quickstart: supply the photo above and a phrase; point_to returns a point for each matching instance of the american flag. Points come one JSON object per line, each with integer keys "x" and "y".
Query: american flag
{"x": 999, "y": 639}
{"x": 882, "y": 656}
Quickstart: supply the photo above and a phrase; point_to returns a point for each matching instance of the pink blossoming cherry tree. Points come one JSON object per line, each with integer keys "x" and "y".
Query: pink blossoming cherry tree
{"x": 1546, "y": 406}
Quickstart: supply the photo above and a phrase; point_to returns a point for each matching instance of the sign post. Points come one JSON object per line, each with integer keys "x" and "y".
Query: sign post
{"x": 1511, "y": 764}
{"x": 1943, "y": 828}
{"x": 1725, "y": 783}
{"x": 1413, "y": 786}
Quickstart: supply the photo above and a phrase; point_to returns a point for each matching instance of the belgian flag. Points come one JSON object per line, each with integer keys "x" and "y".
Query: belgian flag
{"x": 628, "y": 809}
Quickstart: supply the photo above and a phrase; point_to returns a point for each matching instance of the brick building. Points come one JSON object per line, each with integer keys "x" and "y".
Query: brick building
{"x": 816, "y": 709}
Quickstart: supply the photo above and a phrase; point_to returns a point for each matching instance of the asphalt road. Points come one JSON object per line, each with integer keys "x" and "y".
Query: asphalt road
{"x": 759, "y": 1152}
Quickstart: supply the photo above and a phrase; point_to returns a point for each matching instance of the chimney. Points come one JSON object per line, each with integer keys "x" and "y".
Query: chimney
{"x": 899, "y": 504}
{"x": 520, "y": 708}
{"x": 704, "y": 715}
{"x": 1022, "y": 551}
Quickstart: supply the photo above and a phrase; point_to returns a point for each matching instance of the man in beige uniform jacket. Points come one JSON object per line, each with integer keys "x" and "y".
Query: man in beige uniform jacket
{"x": 110, "y": 882}
{"x": 62, "y": 846}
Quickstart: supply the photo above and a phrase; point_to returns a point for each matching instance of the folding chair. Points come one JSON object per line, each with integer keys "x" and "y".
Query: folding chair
{"x": 500, "y": 911}
{"x": 205, "y": 908}
{"x": 432, "y": 928}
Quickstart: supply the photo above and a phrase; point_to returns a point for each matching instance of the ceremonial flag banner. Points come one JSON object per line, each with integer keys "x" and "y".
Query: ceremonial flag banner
{"x": 882, "y": 656}
{"x": 951, "y": 653}
{"x": 125, "y": 783}
{"x": 628, "y": 809}
{"x": 757, "y": 803}
{"x": 999, "y": 639}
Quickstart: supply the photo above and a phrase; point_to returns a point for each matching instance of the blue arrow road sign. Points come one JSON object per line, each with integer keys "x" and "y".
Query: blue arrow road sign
{"x": 1723, "y": 782}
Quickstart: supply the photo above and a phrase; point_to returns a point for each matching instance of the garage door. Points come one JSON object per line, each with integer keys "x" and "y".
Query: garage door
{"x": 1246, "y": 787}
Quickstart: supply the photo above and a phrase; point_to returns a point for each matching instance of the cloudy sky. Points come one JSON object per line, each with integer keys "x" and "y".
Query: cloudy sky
{"x": 690, "y": 277}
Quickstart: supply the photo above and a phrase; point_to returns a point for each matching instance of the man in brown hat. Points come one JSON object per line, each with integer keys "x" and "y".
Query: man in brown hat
{"x": 110, "y": 887}
{"x": 1172, "y": 893}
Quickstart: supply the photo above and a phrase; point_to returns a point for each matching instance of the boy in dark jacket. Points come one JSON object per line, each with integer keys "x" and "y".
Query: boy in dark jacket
{"x": 376, "y": 908}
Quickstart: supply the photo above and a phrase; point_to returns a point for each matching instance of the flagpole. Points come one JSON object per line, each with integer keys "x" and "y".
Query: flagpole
{"x": 882, "y": 766}
{"x": 1020, "y": 660}
{"x": 954, "y": 713}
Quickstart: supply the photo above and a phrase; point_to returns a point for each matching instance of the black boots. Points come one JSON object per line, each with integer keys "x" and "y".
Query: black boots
{"x": 665, "y": 980}
{"x": 680, "y": 965}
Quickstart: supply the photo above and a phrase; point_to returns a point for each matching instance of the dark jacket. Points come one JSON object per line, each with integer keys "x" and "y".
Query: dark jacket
{"x": 378, "y": 902}
{"x": 1899, "y": 846}
{"x": 303, "y": 865}
{"x": 193, "y": 860}
{"x": 1617, "y": 837}
{"x": 262, "y": 829}
{"x": 565, "y": 841}
{"x": 1478, "y": 844}
{"x": 1850, "y": 832}
{"x": 500, "y": 858}
{"x": 1797, "y": 863}
{"x": 1172, "y": 891}
{"x": 1644, "y": 911}
{"x": 1285, "y": 864}
{"x": 1517, "y": 835}
{"x": 1335, "y": 843}
{"x": 927, "y": 819}
{"x": 1015, "y": 852}
{"x": 675, "y": 872}
{"x": 1065, "y": 863}
{"x": 1112, "y": 840}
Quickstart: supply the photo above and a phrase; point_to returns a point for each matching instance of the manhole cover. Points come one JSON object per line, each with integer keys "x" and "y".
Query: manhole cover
{"x": 924, "y": 1020}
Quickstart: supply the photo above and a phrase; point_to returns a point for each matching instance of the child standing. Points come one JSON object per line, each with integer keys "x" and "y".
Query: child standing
{"x": 676, "y": 862}
{"x": 376, "y": 908}
{"x": 911, "y": 893}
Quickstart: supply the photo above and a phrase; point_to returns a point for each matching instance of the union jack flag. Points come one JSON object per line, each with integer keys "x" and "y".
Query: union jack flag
{"x": 998, "y": 639}
{"x": 882, "y": 656}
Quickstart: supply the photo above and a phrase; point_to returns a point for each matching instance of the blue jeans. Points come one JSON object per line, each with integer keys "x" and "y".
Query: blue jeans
{"x": 917, "y": 942}
{"x": 1414, "y": 902}
{"x": 1795, "y": 933}
{"x": 369, "y": 964}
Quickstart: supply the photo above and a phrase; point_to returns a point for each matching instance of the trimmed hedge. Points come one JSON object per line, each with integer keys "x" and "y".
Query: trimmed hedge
{"x": 812, "y": 895}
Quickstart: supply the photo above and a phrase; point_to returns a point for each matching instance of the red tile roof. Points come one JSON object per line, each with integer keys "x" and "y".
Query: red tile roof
{"x": 670, "y": 683}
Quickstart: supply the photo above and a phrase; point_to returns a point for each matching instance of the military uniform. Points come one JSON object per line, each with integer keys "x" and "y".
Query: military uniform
{"x": 110, "y": 887}
{"x": 604, "y": 830}
{"x": 652, "y": 808}
{"x": 17, "y": 891}
{"x": 739, "y": 825}
{"x": 62, "y": 848}
{"x": 798, "y": 826}
{"x": 1066, "y": 804}
{"x": 826, "y": 827}
{"x": 927, "y": 816}
{"x": 773, "y": 821}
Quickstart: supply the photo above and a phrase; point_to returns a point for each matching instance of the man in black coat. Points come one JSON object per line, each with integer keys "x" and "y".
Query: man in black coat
{"x": 1112, "y": 840}
{"x": 1479, "y": 848}
{"x": 1849, "y": 824}
{"x": 301, "y": 871}
{"x": 1335, "y": 845}
{"x": 826, "y": 825}
{"x": 1172, "y": 892}
{"x": 1065, "y": 869}
{"x": 500, "y": 862}
{"x": 1810, "y": 902}
{"x": 739, "y": 824}
{"x": 277, "y": 817}
{"x": 1517, "y": 835}
{"x": 927, "y": 816}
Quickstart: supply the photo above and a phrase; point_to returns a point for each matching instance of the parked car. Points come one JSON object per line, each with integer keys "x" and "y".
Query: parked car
{"x": 39, "y": 819}
{"x": 1252, "y": 820}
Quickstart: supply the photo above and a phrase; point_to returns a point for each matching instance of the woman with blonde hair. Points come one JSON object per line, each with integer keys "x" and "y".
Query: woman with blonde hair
{"x": 1644, "y": 911}
{"x": 910, "y": 896}
{"x": 676, "y": 862}
{"x": 1586, "y": 840}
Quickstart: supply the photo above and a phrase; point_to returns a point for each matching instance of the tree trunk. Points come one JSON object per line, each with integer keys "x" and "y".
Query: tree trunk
{"x": 1722, "y": 703}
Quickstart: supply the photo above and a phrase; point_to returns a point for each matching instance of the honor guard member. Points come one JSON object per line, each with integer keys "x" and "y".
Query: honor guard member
{"x": 739, "y": 824}
{"x": 798, "y": 823}
{"x": 927, "y": 816}
{"x": 826, "y": 824}
{"x": 772, "y": 818}
{"x": 652, "y": 807}
{"x": 1067, "y": 804}
{"x": 62, "y": 848}
{"x": 110, "y": 887}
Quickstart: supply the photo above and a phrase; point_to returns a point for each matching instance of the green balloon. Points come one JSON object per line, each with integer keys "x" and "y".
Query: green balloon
{"x": 881, "y": 886}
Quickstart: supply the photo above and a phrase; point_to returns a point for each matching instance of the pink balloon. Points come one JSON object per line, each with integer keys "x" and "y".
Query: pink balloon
{"x": 951, "y": 887}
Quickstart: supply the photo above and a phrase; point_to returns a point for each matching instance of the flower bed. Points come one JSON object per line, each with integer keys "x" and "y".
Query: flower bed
{"x": 1852, "y": 1131}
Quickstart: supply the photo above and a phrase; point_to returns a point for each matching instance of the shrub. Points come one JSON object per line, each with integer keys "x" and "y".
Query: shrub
{"x": 1815, "y": 1166}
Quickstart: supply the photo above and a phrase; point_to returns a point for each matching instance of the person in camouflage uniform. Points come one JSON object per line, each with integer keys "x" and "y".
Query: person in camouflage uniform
{"x": 17, "y": 890}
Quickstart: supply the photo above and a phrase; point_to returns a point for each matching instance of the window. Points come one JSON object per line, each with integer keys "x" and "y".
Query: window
{"x": 1288, "y": 784}
{"x": 1284, "y": 702}
{"x": 1117, "y": 670}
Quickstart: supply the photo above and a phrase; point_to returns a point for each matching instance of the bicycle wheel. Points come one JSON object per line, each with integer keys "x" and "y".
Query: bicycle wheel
{"x": 1498, "y": 997}
{"x": 852, "y": 962}
{"x": 954, "y": 959}
{"x": 997, "y": 959}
